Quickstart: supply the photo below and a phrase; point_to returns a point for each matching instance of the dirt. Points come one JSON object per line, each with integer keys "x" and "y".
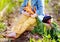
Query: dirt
{"x": 25, "y": 37}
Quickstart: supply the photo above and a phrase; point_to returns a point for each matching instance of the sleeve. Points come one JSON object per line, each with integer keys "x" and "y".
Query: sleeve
{"x": 23, "y": 5}
{"x": 39, "y": 8}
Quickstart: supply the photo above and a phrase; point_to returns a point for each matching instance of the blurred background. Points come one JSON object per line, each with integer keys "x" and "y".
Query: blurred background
{"x": 10, "y": 11}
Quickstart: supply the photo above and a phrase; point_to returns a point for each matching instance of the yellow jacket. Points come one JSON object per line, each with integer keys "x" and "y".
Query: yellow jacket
{"x": 24, "y": 23}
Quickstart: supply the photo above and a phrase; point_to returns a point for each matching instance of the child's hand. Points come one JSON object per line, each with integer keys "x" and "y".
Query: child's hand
{"x": 25, "y": 13}
{"x": 34, "y": 15}
{"x": 11, "y": 35}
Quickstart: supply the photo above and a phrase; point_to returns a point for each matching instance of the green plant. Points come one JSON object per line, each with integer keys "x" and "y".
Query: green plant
{"x": 2, "y": 26}
{"x": 39, "y": 27}
{"x": 7, "y": 7}
{"x": 44, "y": 39}
{"x": 52, "y": 34}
